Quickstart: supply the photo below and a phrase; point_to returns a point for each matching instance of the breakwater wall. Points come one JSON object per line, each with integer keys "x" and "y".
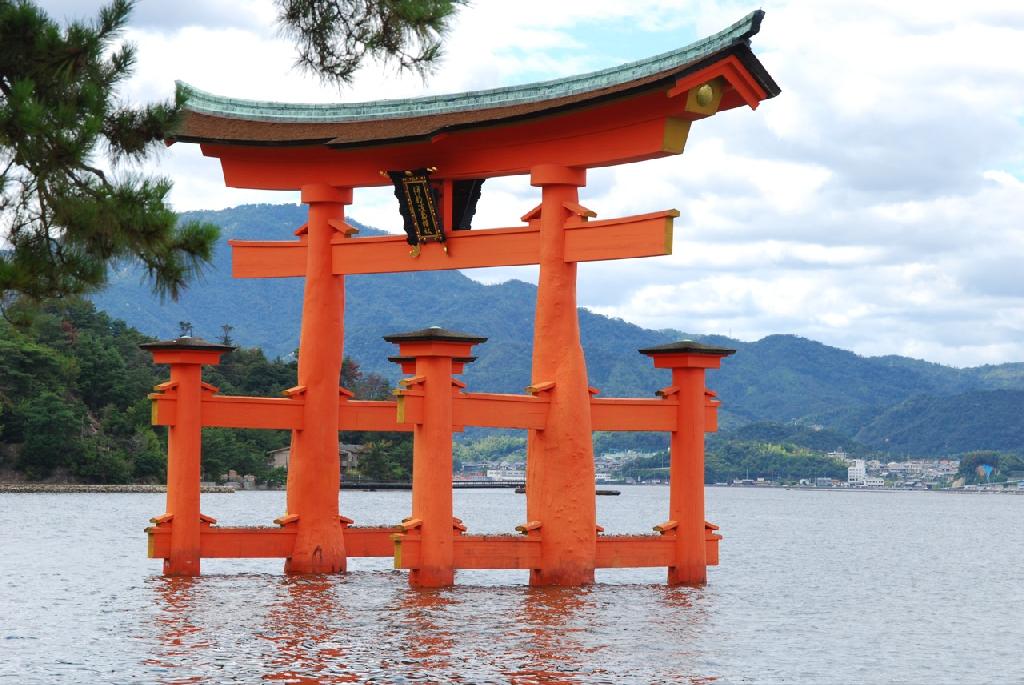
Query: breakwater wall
{"x": 65, "y": 488}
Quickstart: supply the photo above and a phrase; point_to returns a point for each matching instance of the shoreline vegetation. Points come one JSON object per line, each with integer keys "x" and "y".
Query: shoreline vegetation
{"x": 74, "y": 409}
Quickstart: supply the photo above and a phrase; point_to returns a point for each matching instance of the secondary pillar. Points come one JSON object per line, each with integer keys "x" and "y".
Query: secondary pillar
{"x": 433, "y": 354}
{"x": 186, "y": 357}
{"x": 560, "y": 459}
{"x": 688, "y": 361}
{"x": 314, "y": 469}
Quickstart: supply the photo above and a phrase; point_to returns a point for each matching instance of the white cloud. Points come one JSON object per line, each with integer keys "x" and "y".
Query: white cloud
{"x": 872, "y": 205}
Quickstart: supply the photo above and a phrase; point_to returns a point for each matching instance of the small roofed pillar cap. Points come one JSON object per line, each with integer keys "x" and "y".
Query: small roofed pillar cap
{"x": 687, "y": 347}
{"x": 434, "y": 334}
{"x": 185, "y": 343}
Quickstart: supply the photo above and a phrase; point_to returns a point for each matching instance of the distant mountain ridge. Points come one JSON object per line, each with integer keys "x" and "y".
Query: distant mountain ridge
{"x": 780, "y": 378}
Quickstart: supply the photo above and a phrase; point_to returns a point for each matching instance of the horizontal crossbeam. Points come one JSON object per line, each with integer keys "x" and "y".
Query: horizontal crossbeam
{"x": 225, "y": 411}
{"x": 645, "y": 235}
{"x": 492, "y": 410}
{"x": 258, "y": 542}
{"x": 471, "y": 551}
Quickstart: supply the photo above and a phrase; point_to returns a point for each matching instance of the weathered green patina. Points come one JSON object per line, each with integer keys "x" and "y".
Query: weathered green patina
{"x": 738, "y": 34}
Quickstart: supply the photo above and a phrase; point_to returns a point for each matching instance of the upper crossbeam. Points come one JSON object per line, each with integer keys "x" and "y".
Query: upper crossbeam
{"x": 644, "y": 235}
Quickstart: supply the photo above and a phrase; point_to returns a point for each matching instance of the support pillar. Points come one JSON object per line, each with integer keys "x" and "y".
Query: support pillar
{"x": 434, "y": 355}
{"x": 186, "y": 357}
{"x": 688, "y": 361}
{"x": 314, "y": 469}
{"x": 560, "y": 459}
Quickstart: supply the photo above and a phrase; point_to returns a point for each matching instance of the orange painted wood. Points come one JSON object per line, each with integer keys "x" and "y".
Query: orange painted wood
{"x": 629, "y": 551}
{"x": 604, "y": 134}
{"x": 466, "y": 250}
{"x": 686, "y": 477}
{"x": 226, "y": 411}
{"x": 560, "y": 458}
{"x": 432, "y": 462}
{"x": 500, "y": 411}
{"x": 366, "y": 415}
{"x": 252, "y": 412}
{"x": 267, "y": 258}
{"x": 496, "y": 551}
{"x": 184, "y": 447}
{"x": 369, "y": 541}
{"x": 627, "y": 414}
{"x": 645, "y": 235}
{"x": 263, "y": 542}
{"x": 477, "y": 552}
{"x": 314, "y": 472}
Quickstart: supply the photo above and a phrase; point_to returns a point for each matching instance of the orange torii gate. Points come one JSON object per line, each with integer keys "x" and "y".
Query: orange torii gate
{"x": 552, "y": 131}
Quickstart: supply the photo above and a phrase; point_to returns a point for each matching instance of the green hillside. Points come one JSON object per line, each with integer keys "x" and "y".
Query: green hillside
{"x": 950, "y": 424}
{"x": 781, "y": 379}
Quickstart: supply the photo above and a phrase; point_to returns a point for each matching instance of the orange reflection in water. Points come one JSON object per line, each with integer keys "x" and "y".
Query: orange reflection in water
{"x": 426, "y": 620}
{"x": 308, "y": 651}
{"x": 551, "y": 619}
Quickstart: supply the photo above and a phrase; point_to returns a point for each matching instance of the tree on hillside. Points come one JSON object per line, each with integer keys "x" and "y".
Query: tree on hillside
{"x": 63, "y": 216}
{"x": 71, "y": 202}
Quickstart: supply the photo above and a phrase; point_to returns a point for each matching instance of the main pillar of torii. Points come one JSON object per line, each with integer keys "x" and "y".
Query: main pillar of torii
{"x": 553, "y": 132}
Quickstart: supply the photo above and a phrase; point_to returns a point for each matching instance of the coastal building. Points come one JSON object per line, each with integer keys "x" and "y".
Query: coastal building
{"x": 856, "y": 472}
{"x": 349, "y": 455}
{"x": 838, "y": 454}
{"x": 506, "y": 475}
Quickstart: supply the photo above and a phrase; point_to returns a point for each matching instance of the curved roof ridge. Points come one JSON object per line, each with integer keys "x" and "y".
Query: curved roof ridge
{"x": 237, "y": 108}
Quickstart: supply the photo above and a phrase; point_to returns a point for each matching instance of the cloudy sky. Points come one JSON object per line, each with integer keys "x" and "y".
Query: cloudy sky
{"x": 876, "y": 205}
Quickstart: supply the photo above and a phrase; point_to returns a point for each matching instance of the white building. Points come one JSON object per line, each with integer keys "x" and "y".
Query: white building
{"x": 506, "y": 475}
{"x": 874, "y": 482}
{"x": 856, "y": 473}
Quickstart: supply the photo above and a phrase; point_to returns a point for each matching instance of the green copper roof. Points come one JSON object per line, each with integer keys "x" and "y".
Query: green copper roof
{"x": 207, "y": 103}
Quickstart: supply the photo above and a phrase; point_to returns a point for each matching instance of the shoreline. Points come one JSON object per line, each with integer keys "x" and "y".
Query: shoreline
{"x": 70, "y": 488}
{"x": 811, "y": 488}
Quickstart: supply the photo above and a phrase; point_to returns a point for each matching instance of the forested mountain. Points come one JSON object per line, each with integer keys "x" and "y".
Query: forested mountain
{"x": 905, "y": 406}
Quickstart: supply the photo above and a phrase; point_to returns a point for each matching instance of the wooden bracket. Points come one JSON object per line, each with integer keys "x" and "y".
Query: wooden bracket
{"x": 341, "y": 227}
{"x": 540, "y": 387}
{"x": 166, "y": 387}
{"x": 295, "y": 391}
{"x": 531, "y": 215}
{"x": 345, "y": 392}
{"x": 666, "y": 526}
{"x": 345, "y": 521}
{"x": 209, "y": 388}
{"x": 525, "y": 528}
{"x": 162, "y": 519}
{"x": 286, "y": 519}
{"x": 207, "y": 520}
{"x": 409, "y": 524}
{"x": 579, "y": 210}
{"x": 412, "y": 381}
{"x": 667, "y": 391}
